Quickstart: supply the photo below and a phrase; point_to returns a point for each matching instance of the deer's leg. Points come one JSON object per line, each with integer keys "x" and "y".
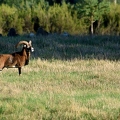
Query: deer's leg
{"x": 19, "y": 70}
{"x": 1, "y": 65}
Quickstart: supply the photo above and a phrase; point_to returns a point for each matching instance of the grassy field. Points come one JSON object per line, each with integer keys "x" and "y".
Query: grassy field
{"x": 68, "y": 78}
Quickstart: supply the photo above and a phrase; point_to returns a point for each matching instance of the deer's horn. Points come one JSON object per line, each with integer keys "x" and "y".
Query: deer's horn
{"x": 22, "y": 42}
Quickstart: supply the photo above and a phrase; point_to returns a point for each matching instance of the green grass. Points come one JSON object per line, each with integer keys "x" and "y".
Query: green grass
{"x": 78, "y": 89}
{"x": 69, "y": 88}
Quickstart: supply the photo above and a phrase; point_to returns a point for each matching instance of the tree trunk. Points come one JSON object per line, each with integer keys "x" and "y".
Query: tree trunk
{"x": 115, "y": 2}
{"x": 92, "y": 29}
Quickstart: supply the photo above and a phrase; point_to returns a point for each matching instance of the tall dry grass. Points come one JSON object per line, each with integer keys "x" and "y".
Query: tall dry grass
{"x": 77, "y": 89}
{"x": 61, "y": 84}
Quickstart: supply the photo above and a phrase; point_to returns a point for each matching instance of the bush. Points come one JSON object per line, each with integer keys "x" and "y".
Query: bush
{"x": 56, "y": 18}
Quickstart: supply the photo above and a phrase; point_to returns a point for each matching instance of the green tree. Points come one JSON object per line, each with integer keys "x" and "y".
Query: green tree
{"x": 7, "y": 14}
{"x": 92, "y": 10}
{"x": 112, "y": 21}
{"x": 60, "y": 18}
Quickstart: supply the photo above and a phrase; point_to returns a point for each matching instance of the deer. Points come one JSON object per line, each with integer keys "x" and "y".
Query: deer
{"x": 17, "y": 59}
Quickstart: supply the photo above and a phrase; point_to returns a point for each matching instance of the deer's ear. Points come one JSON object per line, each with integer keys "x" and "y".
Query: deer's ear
{"x": 30, "y": 42}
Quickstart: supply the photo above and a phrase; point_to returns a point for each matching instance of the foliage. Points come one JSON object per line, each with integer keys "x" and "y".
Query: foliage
{"x": 92, "y": 10}
{"x": 7, "y": 15}
{"x": 58, "y": 18}
{"x": 112, "y": 21}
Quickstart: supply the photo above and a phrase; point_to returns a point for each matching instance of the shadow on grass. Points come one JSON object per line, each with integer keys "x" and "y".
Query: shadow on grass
{"x": 68, "y": 47}
{"x": 80, "y": 47}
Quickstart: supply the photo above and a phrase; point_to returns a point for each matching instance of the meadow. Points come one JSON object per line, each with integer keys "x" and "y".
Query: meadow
{"x": 68, "y": 78}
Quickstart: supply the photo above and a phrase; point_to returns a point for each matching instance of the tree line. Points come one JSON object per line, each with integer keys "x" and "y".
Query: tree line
{"x": 56, "y": 16}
